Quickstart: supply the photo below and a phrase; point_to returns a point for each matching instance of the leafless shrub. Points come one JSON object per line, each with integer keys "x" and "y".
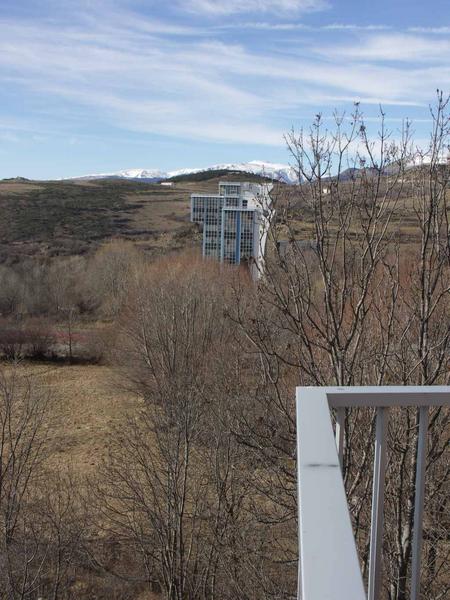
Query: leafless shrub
{"x": 38, "y": 337}
{"x": 30, "y": 338}
{"x": 12, "y": 340}
{"x": 11, "y": 291}
{"x": 108, "y": 276}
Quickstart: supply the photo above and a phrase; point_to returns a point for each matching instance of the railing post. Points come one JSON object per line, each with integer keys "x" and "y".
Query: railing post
{"x": 418, "y": 502}
{"x": 329, "y": 568}
{"x": 340, "y": 424}
{"x": 376, "y": 533}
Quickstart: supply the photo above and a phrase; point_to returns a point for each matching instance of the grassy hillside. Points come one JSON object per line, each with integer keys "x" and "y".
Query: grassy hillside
{"x": 66, "y": 218}
{"x": 69, "y": 218}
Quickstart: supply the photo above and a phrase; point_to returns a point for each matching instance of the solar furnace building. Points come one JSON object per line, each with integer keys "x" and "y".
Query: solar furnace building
{"x": 234, "y": 222}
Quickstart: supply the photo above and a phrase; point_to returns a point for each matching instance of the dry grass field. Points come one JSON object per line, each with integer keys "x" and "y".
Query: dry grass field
{"x": 15, "y": 187}
{"x": 300, "y": 216}
{"x": 86, "y": 405}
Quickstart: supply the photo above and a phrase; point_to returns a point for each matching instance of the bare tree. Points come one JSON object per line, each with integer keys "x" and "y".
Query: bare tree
{"x": 109, "y": 274}
{"x": 23, "y": 432}
{"x": 355, "y": 292}
{"x": 11, "y": 291}
{"x": 159, "y": 494}
{"x": 61, "y": 517}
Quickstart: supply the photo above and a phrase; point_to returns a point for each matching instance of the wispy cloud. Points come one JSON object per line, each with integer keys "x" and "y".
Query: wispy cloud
{"x": 397, "y": 47}
{"x": 295, "y": 26}
{"x": 434, "y": 30}
{"x": 354, "y": 27}
{"x": 229, "y": 7}
{"x": 142, "y": 83}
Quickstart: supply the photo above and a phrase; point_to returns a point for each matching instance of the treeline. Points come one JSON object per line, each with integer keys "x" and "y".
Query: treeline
{"x": 226, "y": 173}
{"x": 48, "y": 308}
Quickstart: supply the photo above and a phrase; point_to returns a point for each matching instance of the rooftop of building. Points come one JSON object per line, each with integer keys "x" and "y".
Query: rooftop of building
{"x": 255, "y": 195}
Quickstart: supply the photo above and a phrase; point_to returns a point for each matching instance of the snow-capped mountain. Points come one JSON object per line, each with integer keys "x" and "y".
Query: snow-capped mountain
{"x": 148, "y": 174}
{"x": 279, "y": 172}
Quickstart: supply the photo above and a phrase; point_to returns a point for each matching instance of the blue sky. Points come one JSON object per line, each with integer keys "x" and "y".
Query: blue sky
{"x": 100, "y": 85}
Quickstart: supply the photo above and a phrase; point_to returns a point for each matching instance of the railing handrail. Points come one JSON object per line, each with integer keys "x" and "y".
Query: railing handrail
{"x": 389, "y": 396}
{"x": 329, "y": 567}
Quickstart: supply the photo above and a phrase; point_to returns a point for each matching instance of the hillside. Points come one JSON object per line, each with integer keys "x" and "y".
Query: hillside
{"x": 65, "y": 218}
{"x": 68, "y": 218}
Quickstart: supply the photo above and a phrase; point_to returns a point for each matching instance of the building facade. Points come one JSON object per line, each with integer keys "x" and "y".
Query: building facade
{"x": 234, "y": 222}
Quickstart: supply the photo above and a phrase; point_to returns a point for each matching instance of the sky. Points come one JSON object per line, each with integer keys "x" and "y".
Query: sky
{"x": 92, "y": 86}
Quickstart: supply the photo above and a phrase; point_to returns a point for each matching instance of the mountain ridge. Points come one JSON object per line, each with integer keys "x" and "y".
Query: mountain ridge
{"x": 277, "y": 171}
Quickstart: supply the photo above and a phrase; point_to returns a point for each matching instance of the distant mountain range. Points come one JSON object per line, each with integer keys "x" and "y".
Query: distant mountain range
{"x": 275, "y": 171}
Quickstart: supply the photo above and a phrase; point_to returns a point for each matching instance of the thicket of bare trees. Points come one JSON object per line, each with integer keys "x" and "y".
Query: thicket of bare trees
{"x": 43, "y": 304}
{"x": 94, "y": 285}
{"x": 178, "y": 486}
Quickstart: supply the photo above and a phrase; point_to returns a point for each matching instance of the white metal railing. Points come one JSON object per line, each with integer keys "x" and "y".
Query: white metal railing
{"x": 329, "y": 567}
